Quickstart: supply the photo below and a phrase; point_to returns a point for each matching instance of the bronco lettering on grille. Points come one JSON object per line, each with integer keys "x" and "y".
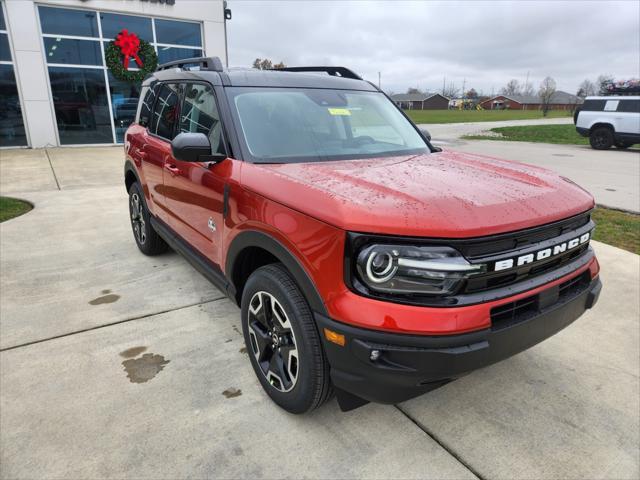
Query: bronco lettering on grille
{"x": 541, "y": 254}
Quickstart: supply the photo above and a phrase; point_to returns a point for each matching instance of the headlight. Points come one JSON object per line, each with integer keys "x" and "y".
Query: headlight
{"x": 407, "y": 269}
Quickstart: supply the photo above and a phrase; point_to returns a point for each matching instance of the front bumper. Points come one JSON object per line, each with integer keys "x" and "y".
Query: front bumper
{"x": 409, "y": 365}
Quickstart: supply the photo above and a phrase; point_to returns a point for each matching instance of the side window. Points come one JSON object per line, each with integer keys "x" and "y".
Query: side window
{"x": 200, "y": 115}
{"x": 629, "y": 106}
{"x": 148, "y": 96}
{"x": 593, "y": 106}
{"x": 165, "y": 113}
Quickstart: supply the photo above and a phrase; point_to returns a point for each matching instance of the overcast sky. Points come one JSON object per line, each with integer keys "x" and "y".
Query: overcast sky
{"x": 418, "y": 43}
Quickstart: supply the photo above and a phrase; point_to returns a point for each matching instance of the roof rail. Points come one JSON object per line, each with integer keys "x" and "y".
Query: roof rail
{"x": 205, "y": 63}
{"x": 333, "y": 71}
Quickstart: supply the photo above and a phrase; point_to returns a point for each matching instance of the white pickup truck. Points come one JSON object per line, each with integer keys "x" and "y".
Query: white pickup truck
{"x": 610, "y": 120}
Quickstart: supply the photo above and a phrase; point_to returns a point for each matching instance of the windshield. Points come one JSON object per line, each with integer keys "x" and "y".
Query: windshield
{"x": 282, "y": 125}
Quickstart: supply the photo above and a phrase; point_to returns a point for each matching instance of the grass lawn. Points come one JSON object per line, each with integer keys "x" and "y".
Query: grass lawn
{"x": 457, "y": 116}
{"x": 616, "y": 228}
{"x": 10, "y": 208}
{"x": 565, "y": 134}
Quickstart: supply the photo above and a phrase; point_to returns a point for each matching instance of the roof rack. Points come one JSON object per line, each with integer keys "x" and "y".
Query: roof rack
{"x": 333, "y": 71}
{"x": 212, "y": 64}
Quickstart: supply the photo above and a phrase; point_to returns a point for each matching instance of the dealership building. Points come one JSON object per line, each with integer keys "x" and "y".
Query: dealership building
{"x": 56, "y": 84}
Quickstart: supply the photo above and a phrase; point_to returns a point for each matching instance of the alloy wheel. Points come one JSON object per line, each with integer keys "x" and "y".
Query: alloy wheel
{"x": 273, "y": 343}
{"x": 137, "y": 219}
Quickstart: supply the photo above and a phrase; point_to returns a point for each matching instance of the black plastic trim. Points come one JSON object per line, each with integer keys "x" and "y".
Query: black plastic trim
{"x": 410, "y": 365}
{"x": 253, "y": 238}
{"x": 208, "y": 269}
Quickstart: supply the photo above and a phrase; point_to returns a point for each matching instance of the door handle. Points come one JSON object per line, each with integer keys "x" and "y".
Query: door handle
{"x": 172, "y": 169}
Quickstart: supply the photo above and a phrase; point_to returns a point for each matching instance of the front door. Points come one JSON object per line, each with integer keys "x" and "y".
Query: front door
{"x": 195, "y": 191}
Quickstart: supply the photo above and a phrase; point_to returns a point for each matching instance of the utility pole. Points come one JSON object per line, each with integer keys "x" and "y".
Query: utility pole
{"x": 379, "y": 81}
{"x": 444, "y": 81}
{"x": 464, "y": 82}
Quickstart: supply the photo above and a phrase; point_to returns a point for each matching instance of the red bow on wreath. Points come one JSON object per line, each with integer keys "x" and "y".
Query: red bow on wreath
{"x": 129, "y": 44}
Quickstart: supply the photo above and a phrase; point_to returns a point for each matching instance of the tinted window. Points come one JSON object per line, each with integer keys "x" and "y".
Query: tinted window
{"x": 593, "y": 105}
{"x": 178, "y": 33}
{"x": 12, "y": 132}
{"x": 81, "y": 105}
{"x": 3, "y": 26}
{"x": 65, "y": 21}
{"x": 168, "y": 54}
{"x": 629, "y": 106}
{"x": 74, "y": 52}
{"x": 5, "y": 54}
{"x": 199, "y": 114}
{"x": 147, "y": 105}
{"x": 166, "y": 111}
{"x": 113, "y": 24}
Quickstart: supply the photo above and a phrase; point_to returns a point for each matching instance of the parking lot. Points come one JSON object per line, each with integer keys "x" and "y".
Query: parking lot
{"x": 118, "y": 365}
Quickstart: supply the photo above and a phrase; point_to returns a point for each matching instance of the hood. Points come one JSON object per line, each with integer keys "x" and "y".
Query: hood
{"x": 447, "y": 194}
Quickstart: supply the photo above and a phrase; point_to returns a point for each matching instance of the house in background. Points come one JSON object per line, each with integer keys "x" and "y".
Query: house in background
{"x": 421, "y": 101}
{"x": 560, "y": 101}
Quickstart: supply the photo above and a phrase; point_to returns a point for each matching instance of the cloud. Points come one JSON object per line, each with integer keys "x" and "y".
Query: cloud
{"x": 420, "y": 43}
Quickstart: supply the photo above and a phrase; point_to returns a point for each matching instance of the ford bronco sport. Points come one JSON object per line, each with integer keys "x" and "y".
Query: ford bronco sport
{"x": 365, "y": 261}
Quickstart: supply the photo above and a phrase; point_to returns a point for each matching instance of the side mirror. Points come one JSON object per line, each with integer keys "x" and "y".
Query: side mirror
{"x": 426, "y": 133}
{"x": 194, "y": 147}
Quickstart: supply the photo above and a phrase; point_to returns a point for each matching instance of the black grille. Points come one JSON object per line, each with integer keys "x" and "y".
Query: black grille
{"x": 509, "y": 314}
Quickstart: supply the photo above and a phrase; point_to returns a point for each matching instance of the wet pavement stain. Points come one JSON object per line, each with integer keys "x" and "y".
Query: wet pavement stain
{"x": 232, "y": 392}
{"x": 104, "y": 292}
{"x": 143, "y": 369}
{"x": 243, "y": 350}
{"x": 110, "y": 298}
{"x": 132, "y": 352}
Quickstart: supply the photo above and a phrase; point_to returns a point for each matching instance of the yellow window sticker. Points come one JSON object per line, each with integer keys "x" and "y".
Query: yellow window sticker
{"x": 339, "y": 111}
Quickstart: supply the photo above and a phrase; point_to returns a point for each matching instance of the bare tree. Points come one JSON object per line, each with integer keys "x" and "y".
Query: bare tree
{"x": 413, "y": 90}
{"x": 266, "y": 64}
{"x": 586, "y": 89}
{"x": 450, "y": 91}
{"x": 546, "y": 93}
{"x": 472, "y": 94}
{"x": 511, "y": 88}
{"x": 527, "y": 90}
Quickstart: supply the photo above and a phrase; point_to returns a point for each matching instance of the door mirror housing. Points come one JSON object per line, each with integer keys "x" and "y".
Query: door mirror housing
{"x": 194, "y": 147}
{"x": 426, "y": 134}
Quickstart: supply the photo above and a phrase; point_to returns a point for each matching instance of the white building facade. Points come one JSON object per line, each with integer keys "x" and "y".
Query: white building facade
{"x": 55, "y": 87}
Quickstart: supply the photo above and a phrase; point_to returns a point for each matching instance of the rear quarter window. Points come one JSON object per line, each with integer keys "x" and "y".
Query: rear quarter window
{"x": 148, "y": 96}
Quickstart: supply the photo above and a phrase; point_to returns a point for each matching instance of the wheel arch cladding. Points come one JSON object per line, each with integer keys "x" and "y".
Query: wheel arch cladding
{"x": 130, "y": 175}
{"x": 601, "y": 124}
{"x": 251, "y": 250}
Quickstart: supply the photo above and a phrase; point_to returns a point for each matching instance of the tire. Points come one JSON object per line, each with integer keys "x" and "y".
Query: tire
{"x": 601, "y": 138}
{"x": 282, "y": 341}
{"x": 622, "y": 145}
{"x": 147, "y": 239}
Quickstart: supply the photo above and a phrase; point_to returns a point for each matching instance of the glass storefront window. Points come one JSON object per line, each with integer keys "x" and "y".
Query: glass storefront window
{"x": 12, "y": 131}
{"x": 65, "y": 21}
{"x": 73, "y": 52}
{"x": 81, "y": 105}
{"x": 168, "y": 54}
{"x": 124, "y": 103}
{"x": 112, "y": 24}
{"x": 90, "y": 104}
{"x": 178, "y": 33}
{"x": 5, "y": 54}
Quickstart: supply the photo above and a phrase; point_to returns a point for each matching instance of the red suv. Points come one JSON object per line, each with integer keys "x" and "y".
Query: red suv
{"x": 365, "y": 261}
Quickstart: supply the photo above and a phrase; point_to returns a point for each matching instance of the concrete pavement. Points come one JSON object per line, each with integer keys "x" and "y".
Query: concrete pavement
{"x": 612, "y": 176}
{"x": 109, "y": 370}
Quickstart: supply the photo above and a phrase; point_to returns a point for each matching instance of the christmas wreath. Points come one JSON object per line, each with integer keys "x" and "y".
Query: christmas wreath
{"x": 122, "y": 49}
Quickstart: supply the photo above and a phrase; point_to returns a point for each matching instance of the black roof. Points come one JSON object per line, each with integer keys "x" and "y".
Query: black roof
{"x": 300, "y": 77}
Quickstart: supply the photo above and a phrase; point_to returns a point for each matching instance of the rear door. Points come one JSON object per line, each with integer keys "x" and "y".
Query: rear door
{"x": 629, "y": 113}
{"x": 157, "y": 144}
{"x": 195, "y": 191}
